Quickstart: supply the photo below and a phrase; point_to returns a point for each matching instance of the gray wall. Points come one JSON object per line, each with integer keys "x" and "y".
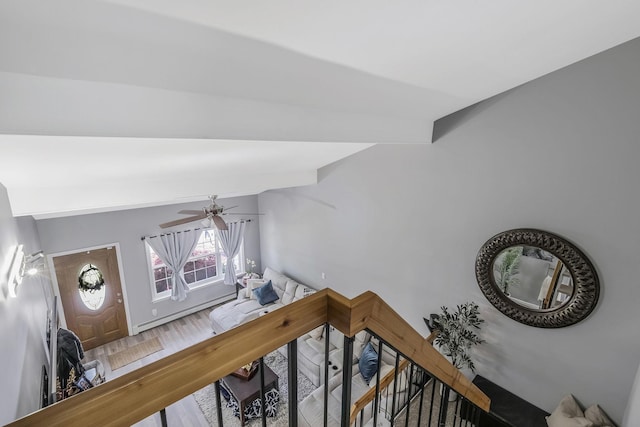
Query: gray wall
{"x": 126, "y": 228}
{"x": 558, "y": 154}
{"x": 23, "y": 320}
{"x": 632, "y": 414}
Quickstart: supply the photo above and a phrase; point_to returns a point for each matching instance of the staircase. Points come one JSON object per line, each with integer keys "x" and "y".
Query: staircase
{"x": 130, "y": 398}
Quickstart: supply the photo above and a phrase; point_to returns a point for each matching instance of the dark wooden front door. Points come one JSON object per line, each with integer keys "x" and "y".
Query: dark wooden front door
{"x": 101, "y": 323}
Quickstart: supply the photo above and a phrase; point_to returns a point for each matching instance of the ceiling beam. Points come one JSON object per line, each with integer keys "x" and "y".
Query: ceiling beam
{"x": 33, "y": 105}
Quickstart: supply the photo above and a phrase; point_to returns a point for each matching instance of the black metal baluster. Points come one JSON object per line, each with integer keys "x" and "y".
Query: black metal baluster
{"x": 163, "y": 417}
{"x": 467, "y": 410}
{"x": 326, "y": 373}
{"x": 478, "y": 414}
{"x": 216, "y": 387}
{"x": 422, "y": 385}
{"x": 463, "y": 407}
{"x": 457, "y": 413}
{"x": 376, "y": 398}
{"x": 346, "y": 381}
{"x": 408, "y": 403}
{"x": 444, "y": 403}
{"x": 292, "y": 356}
{"x": 469, "y": 414}
{"x": 475, "y": 412}
{"x": 395, "y": 389}
{"x": 433, "y": 396}
{"x": 262, "y": 397}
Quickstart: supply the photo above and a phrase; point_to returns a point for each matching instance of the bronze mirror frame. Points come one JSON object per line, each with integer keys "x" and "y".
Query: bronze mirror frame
{"x": 585, "y": 279}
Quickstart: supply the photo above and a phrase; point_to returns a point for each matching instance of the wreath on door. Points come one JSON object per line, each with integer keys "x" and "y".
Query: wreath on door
{"x": 90, "y": 278}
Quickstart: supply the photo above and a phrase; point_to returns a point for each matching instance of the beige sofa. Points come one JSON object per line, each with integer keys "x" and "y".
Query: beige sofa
{"x": 244, "y": 309}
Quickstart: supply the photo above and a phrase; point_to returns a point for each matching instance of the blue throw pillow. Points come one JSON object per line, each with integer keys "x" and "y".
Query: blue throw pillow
{"x": 265, "y": 293}
{"x": 368, "y": 363}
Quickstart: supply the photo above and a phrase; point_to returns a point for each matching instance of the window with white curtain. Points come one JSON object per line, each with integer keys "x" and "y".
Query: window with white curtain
{"x": 204, "y": 267}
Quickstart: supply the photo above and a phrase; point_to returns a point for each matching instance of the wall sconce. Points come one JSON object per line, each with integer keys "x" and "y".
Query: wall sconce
{"x": 15, "y": 273}
{"x": 20, "y": 266}
{"x": 31, "y": 263}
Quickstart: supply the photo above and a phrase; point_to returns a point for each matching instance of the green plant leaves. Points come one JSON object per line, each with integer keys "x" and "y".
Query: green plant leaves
{"x": 456, "y": 336}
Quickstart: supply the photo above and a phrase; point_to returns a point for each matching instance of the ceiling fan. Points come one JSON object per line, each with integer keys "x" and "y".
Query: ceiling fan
{"x": 211, "y": 212}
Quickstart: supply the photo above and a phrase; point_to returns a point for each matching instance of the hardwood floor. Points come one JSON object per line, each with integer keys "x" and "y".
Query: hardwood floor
{"x": 174, "y": 336}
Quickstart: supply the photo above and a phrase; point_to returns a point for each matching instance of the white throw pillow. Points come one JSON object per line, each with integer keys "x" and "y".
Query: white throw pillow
{"x": 361, "y": 339}
{"x": 568, "y": 414}
{"x": 289, "y": 291}
{"x": 251, "y": 285}
{"x": 596, "y": 415}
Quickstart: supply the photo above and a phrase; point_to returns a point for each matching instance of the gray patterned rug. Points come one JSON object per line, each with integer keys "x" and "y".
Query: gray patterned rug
{"x": 206, "y": 397}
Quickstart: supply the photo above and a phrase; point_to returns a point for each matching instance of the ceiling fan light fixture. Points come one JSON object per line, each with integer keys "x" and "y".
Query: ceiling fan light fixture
{"x": 208, "y": 217}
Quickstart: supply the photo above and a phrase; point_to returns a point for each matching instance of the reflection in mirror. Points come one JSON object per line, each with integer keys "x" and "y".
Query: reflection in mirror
{"x": 532, "y": 277}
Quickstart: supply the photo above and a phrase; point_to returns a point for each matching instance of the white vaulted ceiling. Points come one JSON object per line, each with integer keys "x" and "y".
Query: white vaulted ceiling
{"x": 173, "y": 101}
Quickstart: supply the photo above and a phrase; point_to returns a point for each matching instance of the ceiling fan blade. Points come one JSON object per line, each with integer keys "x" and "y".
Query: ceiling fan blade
{"x": 219, "y": 222}
{"x": 232, "y": 207}
{"x": 240, "y": 213}
{"x": 191, "y": 211}
{"x": 183, "y": 220}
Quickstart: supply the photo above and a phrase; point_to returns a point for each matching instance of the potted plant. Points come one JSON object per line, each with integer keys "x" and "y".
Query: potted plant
{"x": 457, "y": 333}
{"x": 457, "y": 336}
{"x": 251, "y": 264}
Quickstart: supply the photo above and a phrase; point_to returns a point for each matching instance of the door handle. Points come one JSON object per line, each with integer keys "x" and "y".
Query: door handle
{"x": 118, "y": 294}
{"x": 119, "y": 300}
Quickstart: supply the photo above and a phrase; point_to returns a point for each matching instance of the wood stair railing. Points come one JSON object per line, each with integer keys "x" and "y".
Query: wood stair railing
{"x": 134, "y": 396}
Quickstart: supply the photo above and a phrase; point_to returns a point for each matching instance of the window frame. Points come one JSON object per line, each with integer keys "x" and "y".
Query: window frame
{"x": 218, "y": 279}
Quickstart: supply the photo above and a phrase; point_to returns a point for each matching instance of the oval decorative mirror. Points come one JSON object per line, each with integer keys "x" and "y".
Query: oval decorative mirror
{"x": 537, "y": 278}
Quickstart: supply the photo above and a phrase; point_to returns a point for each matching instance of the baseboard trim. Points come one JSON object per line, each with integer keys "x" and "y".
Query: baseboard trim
{"x": 166, "y": 319}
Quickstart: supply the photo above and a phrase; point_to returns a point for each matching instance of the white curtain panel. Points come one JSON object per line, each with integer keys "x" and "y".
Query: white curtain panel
{"x": 174, "y": 249}
{"x": 231, "y": 240}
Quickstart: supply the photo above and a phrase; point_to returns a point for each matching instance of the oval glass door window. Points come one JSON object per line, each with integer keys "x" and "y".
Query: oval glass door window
{"x": 92, "y": 298}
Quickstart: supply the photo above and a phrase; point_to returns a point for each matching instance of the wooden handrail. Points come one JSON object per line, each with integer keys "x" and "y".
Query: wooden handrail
{"x": 134, "y": 396}
{"x": 368, "y": 397}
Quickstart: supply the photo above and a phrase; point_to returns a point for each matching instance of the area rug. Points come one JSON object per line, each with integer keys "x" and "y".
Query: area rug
{"x": 133, "y": 353}
{"x": 206, "y": 397}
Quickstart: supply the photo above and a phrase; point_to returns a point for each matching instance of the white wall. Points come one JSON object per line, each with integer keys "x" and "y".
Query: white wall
{"x": 558, "y": 154}
{"x": 126, "y": 228}
{"x": 23, "y": 320}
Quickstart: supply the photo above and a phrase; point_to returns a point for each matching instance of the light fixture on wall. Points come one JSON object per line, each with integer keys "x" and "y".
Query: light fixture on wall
{"x": 32, "y": 264}
{"x": 22, "y": 265}
{"x": 16, "y": 273}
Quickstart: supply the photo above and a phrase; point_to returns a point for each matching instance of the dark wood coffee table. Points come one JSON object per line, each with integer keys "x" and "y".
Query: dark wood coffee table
{"x": 247, "y": 391}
